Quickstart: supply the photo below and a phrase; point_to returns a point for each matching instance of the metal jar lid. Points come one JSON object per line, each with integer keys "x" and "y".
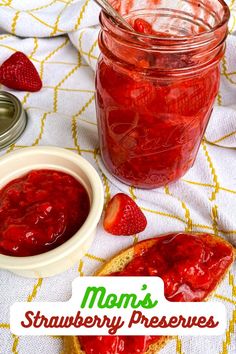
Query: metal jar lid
{"x": 13, "y": 119}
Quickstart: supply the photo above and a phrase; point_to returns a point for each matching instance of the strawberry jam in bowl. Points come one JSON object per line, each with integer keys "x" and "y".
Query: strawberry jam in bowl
{"x": 155, "y": 87}
{"x": 40, "y": 211}
{"x": 51, "y": 201}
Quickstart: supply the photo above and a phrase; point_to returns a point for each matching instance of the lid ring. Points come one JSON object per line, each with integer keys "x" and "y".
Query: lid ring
{"x": 13, "y": 119}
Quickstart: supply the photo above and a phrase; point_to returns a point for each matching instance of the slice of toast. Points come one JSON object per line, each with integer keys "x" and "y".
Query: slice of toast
{"x": 119, "y": 262}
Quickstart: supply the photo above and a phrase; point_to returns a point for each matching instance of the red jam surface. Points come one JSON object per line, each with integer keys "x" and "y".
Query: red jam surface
{"x": 40, "y": 211}
{"x": 190, "y": 266}
{"x": 150, "y": 128}
{"x": 116, "y": 345}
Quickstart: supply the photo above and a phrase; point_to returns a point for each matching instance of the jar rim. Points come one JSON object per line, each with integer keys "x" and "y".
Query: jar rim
{"x": 172, "y": 40}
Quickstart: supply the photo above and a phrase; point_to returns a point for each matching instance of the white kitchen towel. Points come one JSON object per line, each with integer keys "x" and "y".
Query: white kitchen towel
{"x": 63, "y": 114}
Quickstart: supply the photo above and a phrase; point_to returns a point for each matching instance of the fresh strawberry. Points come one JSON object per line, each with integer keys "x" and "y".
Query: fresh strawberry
{"x": 18, "y": 73}
{"x": 123, "y": 216}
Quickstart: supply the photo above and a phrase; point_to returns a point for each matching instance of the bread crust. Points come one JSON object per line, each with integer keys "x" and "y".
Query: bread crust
{"x": 118, "y": 263}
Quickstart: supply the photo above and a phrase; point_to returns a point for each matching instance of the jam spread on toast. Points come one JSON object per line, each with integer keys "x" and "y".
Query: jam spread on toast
{"x": 190, "y": 265}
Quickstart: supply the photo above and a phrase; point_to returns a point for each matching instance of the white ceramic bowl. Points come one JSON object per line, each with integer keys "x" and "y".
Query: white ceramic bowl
{"x": 65, "y": 256}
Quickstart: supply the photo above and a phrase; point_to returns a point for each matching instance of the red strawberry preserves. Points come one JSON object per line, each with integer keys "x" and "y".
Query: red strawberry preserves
{"x": 116, "y": 345}
{"x": 40, "y": 211}
{"x": 190, "y": 266}
{"x": 155, "y": 94}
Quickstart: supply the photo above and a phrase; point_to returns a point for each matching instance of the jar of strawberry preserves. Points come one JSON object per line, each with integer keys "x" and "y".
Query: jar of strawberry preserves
{"x": 155, "y": 87}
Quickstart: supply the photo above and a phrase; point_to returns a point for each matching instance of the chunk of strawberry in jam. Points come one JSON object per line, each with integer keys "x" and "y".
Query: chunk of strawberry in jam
{"x": 171, "y": 283}
{"x": 182, "y": 250}
{"x": 143, "y": 26}
{"x": 197, "y": 276}
{"x": 100, "y": 345}
{"x": 133, "y": 94}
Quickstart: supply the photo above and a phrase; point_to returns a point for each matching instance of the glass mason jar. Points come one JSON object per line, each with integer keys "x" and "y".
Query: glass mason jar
{"x": 155, "y": 94}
